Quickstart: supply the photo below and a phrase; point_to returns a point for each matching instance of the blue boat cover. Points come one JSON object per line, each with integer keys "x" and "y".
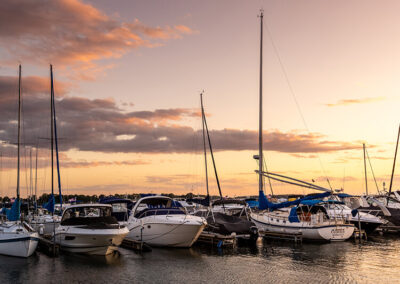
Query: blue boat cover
{"x": 49, "y": 206}
{"x": 265, "y": 204}
{"x": 293, "y": 218}
{"x": 343, "y": 195}
{"x": 13, "y": 213}
{"x": 252, "y": 203}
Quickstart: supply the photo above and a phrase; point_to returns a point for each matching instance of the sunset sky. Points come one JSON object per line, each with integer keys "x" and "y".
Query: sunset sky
{"x": 128, "y": 75}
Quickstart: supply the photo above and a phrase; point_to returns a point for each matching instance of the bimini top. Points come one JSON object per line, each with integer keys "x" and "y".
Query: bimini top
{"x": 112, "y": 200}
{"x": 89, "y": 205}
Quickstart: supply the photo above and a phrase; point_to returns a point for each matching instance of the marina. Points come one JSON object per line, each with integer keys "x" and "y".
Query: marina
{"x": 117, "y": 167}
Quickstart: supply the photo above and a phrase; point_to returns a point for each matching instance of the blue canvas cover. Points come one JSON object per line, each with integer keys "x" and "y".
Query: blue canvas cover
{"x": 252, "y": 203}
{"x": 265, "y": 204}
{"x": 49, "y": 206}
{"x": 293, "y": 218}
{"x": 13, "y": 213}
{"x": 343, "y": 195}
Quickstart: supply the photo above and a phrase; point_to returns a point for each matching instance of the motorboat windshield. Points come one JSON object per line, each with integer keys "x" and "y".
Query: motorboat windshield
{"x": 157, "y": 205}
{"x": 88, "y": 214}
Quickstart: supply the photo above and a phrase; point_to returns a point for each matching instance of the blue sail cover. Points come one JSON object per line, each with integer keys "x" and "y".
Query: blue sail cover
{"x": 49, "y": 206}
{"x": 13, "y": 213}
{"x": 265, "y": 204}
{"x": 293, "y": 218}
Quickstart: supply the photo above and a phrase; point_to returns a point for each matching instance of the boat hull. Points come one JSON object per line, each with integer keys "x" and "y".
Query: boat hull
{"x": 166, "y": 234}
{"x": 339, "y": 232}
{"x": 89, "y": 241}
{"x": 368, "y": 227}
{"x": 20, "y": 245}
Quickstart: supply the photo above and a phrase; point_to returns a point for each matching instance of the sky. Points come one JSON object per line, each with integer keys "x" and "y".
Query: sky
{"x": 128, "y": 75}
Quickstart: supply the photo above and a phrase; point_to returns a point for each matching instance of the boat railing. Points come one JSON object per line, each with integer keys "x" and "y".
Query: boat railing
{"x": 160, "y": 211}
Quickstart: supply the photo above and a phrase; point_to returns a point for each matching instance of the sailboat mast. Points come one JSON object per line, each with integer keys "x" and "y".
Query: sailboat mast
{"x": 365, "y": 171}
{"x": 52, "y": 129}
{"x": 260, "y": 130}
{"x": 212, "y": 157}
{"x": 394, "y": 163}
{"x": 19, "y": 131}
{"x": 57, "y": 157}
{"x": 204, "y": 141}
{"x": 36, "y": 164}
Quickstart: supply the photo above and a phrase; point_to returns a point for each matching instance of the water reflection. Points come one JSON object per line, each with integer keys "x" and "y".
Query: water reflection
{"x": 375, "y": 260}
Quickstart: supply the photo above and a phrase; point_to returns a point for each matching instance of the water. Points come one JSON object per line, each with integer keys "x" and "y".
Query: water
{"x": 375, "y": 261}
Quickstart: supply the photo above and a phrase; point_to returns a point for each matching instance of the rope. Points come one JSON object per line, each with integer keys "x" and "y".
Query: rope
{"x": 372, "y": 170}
{"x": 291, "y": 90}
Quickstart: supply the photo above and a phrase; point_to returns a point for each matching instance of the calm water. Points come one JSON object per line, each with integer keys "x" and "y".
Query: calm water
{"x": 375, "y": 261}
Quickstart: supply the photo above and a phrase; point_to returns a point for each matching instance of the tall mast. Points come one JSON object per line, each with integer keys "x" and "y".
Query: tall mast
{"x": 52, "y": 128}
{"x": 394, "y": 164}
{"x": 30, "y": 176}
{"x": 57, "y": 158}
{"x": 19, "y": 132}
{"x": 36, "y": 164}
{"x": 204, "y": 140}
{"x": 212, "y": 156}
{"x": 365, "y": 171}
{"x": 260, "y": 136}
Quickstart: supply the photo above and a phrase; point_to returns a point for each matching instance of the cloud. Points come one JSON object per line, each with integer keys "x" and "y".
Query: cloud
{"x": 72, "y": 33}
{"x": 101, "y": 125}
{"x": 355, "y": 101}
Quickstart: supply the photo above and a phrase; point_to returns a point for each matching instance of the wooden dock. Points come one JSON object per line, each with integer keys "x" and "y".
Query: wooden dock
{"x": 47, "y": 247}
{"x": 218, "y": 240}
{"x": 135, "y": 245}
{"x": 294, "y": 237}
{"x": 389, "y": 229}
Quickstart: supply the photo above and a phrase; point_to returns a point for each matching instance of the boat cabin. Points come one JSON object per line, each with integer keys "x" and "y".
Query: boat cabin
{"x": 157, "y": 205}
{"x": 88, "y": 214}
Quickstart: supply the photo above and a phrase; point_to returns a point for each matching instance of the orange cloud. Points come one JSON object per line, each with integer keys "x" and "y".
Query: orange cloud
{"x": 71, "y": 34}
{"x": 355, "y": 101}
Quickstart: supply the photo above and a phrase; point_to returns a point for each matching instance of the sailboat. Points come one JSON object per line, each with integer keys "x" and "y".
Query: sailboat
{"x": 306, "y": 216}
{"x": 224, "y": 216}
{"x": 17, "y": 238}
{"x": 45, "y": 222}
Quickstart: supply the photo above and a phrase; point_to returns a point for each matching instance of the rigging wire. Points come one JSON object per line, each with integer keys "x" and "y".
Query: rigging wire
{"x": 372, "y": 170}
{"x": 291, "y": 90}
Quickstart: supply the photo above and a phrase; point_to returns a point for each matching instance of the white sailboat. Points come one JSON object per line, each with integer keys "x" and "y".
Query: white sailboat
{"x": 89, "y": 229}
{"x": 17, "y": 238}
{"x": 156, "y": 221}
{"x": 308, "y": 218}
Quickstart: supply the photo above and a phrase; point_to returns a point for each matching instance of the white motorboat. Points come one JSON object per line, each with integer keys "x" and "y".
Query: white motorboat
{"x": 156, "y": 221}
{"x": 364, "y": 219}
{"x": 17, "y": 239}
{"x": 310, "y": 219}
{"x": 89, "y": 229}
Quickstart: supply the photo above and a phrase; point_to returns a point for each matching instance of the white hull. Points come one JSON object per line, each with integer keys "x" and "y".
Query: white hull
{"x": 323, "y": 232}
{"x": 165, "y": 233}
{"x": 89, "y": 241}
{"x": 13, "y": 243}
